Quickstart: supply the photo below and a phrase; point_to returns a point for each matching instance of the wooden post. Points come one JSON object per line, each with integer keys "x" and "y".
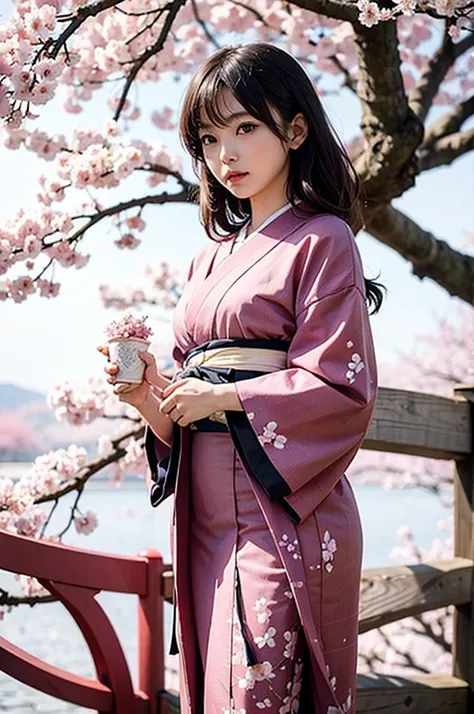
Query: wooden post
{"x": 151, "y": 659}
{"x": 463, "y": 631}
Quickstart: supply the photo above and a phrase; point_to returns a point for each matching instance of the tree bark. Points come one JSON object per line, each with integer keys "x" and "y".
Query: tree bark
{"x": 430, "y": 257}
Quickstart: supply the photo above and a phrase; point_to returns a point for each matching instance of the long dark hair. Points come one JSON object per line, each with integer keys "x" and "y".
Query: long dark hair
{"x": 260, "y": 75}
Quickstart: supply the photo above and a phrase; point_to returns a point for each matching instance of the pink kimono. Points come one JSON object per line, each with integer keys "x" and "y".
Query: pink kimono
{"x": 267, "y": 540}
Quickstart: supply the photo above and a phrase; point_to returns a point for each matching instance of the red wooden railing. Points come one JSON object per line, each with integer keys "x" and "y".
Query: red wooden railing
{"x": 75, "y": 576}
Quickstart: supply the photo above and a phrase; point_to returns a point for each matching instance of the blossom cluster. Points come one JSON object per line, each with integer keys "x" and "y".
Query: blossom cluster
{"x": 88, "y": 159}
{"x": 371, "y": 13}
{"x": 78, "y": 406}
{"x": 54, "y": 469}
{"x": 160, "y": 285}
{"x": 18, "y": 512}
{"x": 134, "y": 461}
{"x": 27, "y": 78}
{"x": 23, "y": 238}
{"x": 103, "y": 49}
{"x": 128, "y": 327}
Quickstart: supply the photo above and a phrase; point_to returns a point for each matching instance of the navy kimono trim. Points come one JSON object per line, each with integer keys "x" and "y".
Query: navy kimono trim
{"x": 164, "y": 471}
{"x": 257, "y": 463}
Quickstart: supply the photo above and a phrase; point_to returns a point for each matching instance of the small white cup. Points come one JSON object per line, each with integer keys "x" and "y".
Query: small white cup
{"x": 125, "y": 353}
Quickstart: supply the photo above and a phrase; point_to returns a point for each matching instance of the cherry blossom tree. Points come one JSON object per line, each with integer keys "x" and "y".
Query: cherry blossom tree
{"x": 75, "y": 48}
{"x": 16, "y": 437}
{"x": 65, "y": 52}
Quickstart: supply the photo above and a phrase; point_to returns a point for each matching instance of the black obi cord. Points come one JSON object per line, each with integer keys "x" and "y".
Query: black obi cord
{"x": 247, "y": 445}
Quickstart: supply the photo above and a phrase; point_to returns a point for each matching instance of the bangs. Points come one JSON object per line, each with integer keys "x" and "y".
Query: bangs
{"x": 206, "y": 102}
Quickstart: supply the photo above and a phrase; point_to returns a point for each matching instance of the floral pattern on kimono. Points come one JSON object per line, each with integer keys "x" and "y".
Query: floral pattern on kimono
{"x": 311, "y": 417}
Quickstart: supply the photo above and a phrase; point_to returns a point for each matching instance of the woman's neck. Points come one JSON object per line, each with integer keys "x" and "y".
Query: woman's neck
{"x": 261, "y": 213}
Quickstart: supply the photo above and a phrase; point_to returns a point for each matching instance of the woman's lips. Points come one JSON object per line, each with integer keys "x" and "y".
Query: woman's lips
{"x": 237, "y": 177}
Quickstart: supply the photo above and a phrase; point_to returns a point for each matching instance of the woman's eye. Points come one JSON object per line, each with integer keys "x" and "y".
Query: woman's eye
{"x": 207, "y": 139}
{"x": 248, "y": 126}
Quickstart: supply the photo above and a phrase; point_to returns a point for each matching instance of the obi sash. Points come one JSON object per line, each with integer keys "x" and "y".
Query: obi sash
{"x": 224, "y": 361}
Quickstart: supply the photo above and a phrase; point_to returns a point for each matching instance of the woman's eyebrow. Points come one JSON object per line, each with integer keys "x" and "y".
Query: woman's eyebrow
{"x": 231, "y": 117}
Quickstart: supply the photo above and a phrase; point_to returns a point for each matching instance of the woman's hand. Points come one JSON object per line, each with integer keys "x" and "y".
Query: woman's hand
{"x": 135, "y": 394}
{"x": 191, "y": 399}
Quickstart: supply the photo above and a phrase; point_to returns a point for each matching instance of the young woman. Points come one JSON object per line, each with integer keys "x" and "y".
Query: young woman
{"x": 274, "y": 392}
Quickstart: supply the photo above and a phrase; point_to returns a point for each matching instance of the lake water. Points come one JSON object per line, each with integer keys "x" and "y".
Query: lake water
{"x": 127, "y": 525}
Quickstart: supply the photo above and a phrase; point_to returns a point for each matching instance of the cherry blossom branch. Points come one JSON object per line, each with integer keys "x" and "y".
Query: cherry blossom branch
{"x": 158, "y": 13}
{"x": 156, "y": 47}
{"x": 449, "y": 123}
{"x": 144, "y": 13}
{"x": 82, "y": 14}
{"x": 446, "y": 150}
{"x": 254, "y": 12}
{"x": 48, "y": 519}
{"x": 349, "y": 81}
{"x": 8, "y": 600}
{"x": 372, "y": 658}
{"x": 162, "y": 198}
{"x": 339, "y": 10}
{"x": 435, "y": 71}
{"x": 74, "y": 508}
{"x": 428, "y": 631}
{"x": 204, "y": 26}
{"x": 431, "y": 257}
{"x": 97, "y": 464}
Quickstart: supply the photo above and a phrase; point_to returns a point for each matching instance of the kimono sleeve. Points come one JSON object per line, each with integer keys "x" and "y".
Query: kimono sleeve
{"x": 310, "y": 418}
{"x": 162, "y": 457}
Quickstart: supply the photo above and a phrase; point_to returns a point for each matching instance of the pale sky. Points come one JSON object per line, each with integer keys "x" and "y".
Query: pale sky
{"x": 48, "y": 341}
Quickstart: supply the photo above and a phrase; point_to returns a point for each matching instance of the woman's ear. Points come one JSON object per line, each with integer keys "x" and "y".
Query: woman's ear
{"x": 297, "y": 131}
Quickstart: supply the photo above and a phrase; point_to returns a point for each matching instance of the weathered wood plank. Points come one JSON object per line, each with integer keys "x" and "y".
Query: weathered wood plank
{"x": 463, "y": 644}
{"x": 167, "y": 582}
{"x": 392, "y": 593}
{"x": 427, "y": 694}
{"x": 420, "y": 424}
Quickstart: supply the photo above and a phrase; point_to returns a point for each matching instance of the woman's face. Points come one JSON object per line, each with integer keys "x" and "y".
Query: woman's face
{"x": 244, "y": 145}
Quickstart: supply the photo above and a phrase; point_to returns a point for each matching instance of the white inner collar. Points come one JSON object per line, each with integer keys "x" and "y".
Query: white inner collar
{"x": 241, "y": 235}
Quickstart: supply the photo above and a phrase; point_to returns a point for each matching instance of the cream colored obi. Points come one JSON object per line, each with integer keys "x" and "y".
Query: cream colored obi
{"x": 250, "y": 358}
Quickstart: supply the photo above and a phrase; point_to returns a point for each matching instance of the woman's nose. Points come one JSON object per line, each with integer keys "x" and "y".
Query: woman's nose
{"x": 227, "y": 153}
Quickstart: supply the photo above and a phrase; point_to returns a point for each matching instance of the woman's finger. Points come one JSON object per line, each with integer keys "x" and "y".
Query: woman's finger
{"x": 167, "y": 405}
{"x": 171, "y": 388}
{"x": 104, "y": 349}
{"x": 111, "y": 368}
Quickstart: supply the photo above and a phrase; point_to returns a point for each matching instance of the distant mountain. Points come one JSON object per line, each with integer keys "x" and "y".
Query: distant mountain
{"x": 12, "y": 396}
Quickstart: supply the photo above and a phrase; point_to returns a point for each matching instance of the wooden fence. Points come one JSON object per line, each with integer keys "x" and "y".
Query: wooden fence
{"x": 404, "y": 422}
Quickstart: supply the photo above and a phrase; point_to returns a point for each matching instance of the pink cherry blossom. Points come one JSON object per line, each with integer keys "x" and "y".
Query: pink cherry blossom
{"x": 87, "y": 523}
{"x": 78, "y": 405}
{"x": 369, "y": 13}
{"x": 128, "y": 327}
{"x": 136, "y": 223}
{"x": 42, "y": 93}
{"x": 48, "y": 289}
{"x": 4, "y": 102}
{"x": 127, "y": 241}
{"x": 30, "y": 586}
